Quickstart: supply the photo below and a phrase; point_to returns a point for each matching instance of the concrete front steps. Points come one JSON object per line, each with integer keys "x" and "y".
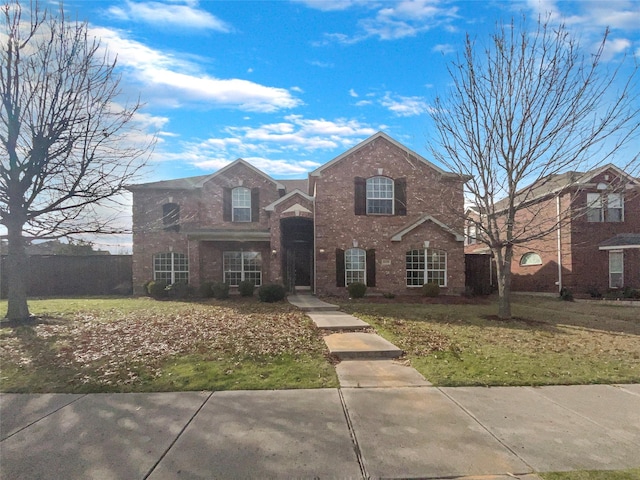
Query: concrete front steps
{"x": 366, "y": 359}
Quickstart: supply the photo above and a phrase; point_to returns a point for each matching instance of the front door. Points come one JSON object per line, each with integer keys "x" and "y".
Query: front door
{"x": 302, "y": 268}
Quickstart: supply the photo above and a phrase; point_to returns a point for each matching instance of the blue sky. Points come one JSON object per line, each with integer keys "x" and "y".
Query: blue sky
{"x": 289, "y": 85}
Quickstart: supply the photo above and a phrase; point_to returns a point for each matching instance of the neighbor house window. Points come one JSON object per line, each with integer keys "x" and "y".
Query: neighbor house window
{"x": 530, "y": 258}
{"x": 355, "y": 265}
{"x": 171, "y": 217}
{"x": 379, "y": 196}
{"x": 616, "y": 269}
{"x": 605, "y": 207}
{"x": 241, "y": 266}
{"x": 241, "y": 204}
{"x": 171, "y": 267}
{"x": 426, "y": 266}
{"x": 471, "y": 234}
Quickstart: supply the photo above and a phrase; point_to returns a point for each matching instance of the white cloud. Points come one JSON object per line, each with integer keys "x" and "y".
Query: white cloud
{"x": 405, "y": 106}
{"x": 353, "y": 93}
{"x": 178, "y": 81}
{"x": 406, "y": 18}
{"x": 444, "y": 48}
{"x": 185, "y": 15}
{"x": 332, "y": 5}
{"x": 284, "y": 148}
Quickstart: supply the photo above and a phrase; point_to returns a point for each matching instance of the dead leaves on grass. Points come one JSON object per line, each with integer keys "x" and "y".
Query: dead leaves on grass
{"x": 112, "y": 348}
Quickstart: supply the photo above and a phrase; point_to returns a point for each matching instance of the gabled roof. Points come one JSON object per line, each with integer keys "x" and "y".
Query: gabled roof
{"x": 397, "y": 237}
{"x": 272, "y": 206}
{"x": 293, "y": 184}
{"x": 193, "y": 183}
{"x": 339, "y": 158}
{"x": 555, "y": 183}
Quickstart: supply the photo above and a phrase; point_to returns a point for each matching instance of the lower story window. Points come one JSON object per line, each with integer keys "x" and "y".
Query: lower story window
{"x": 240, "y": 266}
{"x": 171, "y": 267}
{"x": 616, "y": 269}
{"x": 426, "y": 266}
{"x": 355, "y": 260}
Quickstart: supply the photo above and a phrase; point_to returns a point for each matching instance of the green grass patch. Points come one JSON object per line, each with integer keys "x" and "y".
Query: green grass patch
{"x": 632, "y": 474}
{"x": 142, "y": 345}
{"x": 549, "y": 342}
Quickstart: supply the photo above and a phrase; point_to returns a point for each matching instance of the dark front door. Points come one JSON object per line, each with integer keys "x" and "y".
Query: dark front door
{"x": 297, "y": 242}
{"x": 302, "y": 268}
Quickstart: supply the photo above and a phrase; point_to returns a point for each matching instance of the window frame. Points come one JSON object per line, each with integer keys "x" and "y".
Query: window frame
{"x": 422, "y": 259}
{"x": 361, "y": 259}
{"x": 172, "y": 260}
{"x": 599, "y": 209}
{"x": 619, "y": 254}
{"x": 528, "y": 255}
{"x": 171, "y": 217}
{"x": 369, "y": 194}
{"x": 246, "y": 208}
{"x": 244, "y": 272}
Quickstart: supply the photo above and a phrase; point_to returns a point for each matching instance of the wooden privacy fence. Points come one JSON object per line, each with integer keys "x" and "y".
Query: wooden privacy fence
{"x": 66, "y": 275}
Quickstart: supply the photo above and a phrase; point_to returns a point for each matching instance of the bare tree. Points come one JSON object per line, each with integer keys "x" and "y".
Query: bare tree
{"x": 65, "y": 141}
{"x": 521, "y": 111}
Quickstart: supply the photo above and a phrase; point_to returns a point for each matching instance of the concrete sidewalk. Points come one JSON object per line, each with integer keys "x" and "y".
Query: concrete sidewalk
{"x": 423, "y": 432}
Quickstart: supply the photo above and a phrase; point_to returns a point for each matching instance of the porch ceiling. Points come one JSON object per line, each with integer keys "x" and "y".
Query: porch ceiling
{"x": 219, "y": 235}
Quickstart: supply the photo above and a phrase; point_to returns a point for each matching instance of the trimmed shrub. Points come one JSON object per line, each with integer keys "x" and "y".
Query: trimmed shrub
{"x": 630, "y": 293}
{"x": 389, "y": 295}
{"x": 145, "y": 287}
{"x": 271, "y": 293}
{"x": 357, "y": 290}
{"x": 206, "y": 289}
{"x": 179, "y": 290}
{"x": 220, "y": 290}
{"x": 566, "y": 294}
{"x": 430, "y": 290}
{"x": 246, "y": 288}
{"x": 157, "y": 289}
{"x": 594, "y": 292}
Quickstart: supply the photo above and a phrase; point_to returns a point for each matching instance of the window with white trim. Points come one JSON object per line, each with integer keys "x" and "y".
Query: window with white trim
{"x": 241, "y": 204}
{"x": 379, "y": 196}
{"x": 171, "y": 267}
{"x": 616, "y": 269}
{"x": 530, "y": 258}
{"x": 426, "y": 266}
{"x": 241, "y": 266}
{"x": 355, "y": 262}
{"x": 470, "y": 236}
{"x": 605, "y": 207}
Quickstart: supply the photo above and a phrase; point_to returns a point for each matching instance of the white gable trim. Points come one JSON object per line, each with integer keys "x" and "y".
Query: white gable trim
{"x": 245, "y": 164}
{"x": 398, "y": 236}
{"x": 271, "y": 207}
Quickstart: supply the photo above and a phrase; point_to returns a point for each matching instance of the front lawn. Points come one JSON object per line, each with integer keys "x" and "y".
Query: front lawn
{"x": 549, "y": 342}
{"x": 142, "y": 345}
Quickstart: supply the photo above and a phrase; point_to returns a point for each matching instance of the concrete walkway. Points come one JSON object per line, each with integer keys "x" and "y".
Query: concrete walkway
{"x": 358, "y": 433}
{"x": 366, "y": 359}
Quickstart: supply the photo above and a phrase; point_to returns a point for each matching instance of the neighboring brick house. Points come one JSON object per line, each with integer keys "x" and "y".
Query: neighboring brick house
{"x": 379, "y": 214}
{"x": 597, "y": 246}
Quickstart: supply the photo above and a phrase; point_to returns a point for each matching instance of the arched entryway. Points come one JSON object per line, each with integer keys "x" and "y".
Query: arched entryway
{"x": 297, "y": 245}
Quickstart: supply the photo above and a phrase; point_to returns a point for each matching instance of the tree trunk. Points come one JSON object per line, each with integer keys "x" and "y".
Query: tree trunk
{"x": 17, "y": 269}
{"x": 503, "y": 267}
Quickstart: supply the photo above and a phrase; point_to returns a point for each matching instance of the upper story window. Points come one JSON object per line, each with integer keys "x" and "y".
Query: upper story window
{"x": 241, "y": 204}
{"x": 470, "y": 234}
{"x": 171, "y": 217}
{"x": 605, "y": 207}
{"x": 380, "y": 195}
{"x": 530, "y": 258}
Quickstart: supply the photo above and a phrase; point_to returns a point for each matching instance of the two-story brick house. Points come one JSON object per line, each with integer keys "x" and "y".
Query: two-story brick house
{"x": 378, "y": 214}
{"x": 594, "y": 239}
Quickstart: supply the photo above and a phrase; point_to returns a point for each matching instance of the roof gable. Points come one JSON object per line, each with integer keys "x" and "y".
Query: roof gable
{"x": 318, "y": 171}
{"x": 272, "y": 206}
{"x": 397, "y": 237}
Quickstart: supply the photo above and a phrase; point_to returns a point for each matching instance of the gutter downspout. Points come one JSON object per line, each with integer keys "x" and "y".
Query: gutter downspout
{"x": 559, "y": 236}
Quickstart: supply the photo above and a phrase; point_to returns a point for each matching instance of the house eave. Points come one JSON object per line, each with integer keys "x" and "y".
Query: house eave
{"x": 220, "y": 235}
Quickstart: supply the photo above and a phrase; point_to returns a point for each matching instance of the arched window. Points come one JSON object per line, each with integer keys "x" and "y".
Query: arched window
{"x": 241, "y": 204}
{"x": 171, "y": 267}
{"x": 355, "y": 263}
{"x": 380, "y": 196}
{"x": 426, "y": 266}
{"x": 530, "y": 258}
